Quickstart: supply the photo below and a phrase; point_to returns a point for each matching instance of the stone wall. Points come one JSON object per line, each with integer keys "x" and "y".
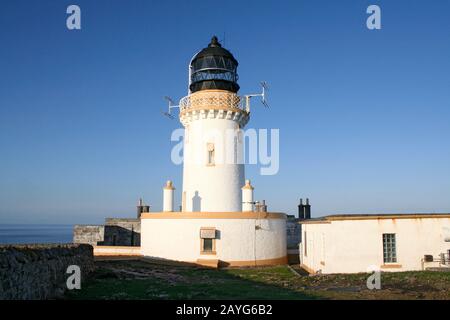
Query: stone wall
{"x": 39, "y": 271}
{"x": 293, "y": 233}
{"x": 122, "y": 232}
{"x": 115, "y": 232}
{"x": 89, "y": 234}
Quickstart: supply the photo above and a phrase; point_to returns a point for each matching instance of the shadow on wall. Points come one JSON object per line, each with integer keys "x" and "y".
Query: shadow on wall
{"x": 196, "y": 202}
{"x": 265, "y": 225}
{"x": 120, "y": 236}
{"x": 108, "y": 235}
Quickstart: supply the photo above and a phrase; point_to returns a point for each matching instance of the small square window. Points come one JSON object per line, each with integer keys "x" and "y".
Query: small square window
{"x": 208, "y": 240}
{"x": 207, "y": 245}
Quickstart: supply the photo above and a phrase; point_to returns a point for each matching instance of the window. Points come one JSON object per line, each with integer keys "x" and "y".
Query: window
{"x": 210, "y": 157}
{"x": 208, "y": 240}
{"x": 389, "y": 248}
{"x": 210, "y": 148}
{"x": 207, "y": 245}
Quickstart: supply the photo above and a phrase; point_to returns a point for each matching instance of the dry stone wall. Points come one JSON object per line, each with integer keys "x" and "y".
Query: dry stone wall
{"x": 39, "y": 271}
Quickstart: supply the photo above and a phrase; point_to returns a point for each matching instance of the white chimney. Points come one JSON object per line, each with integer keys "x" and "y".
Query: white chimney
{"x": 247, "y": 197}
{"x": 168, "y": 197}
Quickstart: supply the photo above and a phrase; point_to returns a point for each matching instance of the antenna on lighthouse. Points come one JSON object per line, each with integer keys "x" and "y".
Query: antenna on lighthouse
{"x": 172, "y": 104}
{"x": 264, "y": 88}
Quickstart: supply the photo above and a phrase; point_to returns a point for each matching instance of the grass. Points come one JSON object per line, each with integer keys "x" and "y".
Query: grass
{"x": 144, "y": 280}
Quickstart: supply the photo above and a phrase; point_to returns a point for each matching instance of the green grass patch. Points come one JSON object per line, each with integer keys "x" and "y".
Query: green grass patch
{"x": 142, "y": 280}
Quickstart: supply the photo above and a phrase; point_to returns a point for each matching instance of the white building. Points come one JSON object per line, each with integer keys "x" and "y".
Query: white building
{"x": 390, "y": 242}
{"x": 217, "y": 224}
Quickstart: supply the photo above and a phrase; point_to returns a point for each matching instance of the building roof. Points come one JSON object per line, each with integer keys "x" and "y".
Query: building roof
{"x": 214, "y": 49}
{"x": 337, "y": 217}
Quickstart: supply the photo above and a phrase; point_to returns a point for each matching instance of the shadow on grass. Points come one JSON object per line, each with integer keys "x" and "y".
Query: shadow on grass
{"x": 124, "y": 280}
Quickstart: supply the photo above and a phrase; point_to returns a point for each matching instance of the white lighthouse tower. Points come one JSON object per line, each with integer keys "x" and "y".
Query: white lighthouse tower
{"x": 218, "y": 225}
{"x": 213, "y": 116}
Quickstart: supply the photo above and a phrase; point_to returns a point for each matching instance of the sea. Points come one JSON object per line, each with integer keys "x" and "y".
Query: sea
{"x": 35, "y": 233}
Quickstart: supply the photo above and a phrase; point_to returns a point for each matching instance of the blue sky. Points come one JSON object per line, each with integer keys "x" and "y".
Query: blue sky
{"x": 364, "y": 116}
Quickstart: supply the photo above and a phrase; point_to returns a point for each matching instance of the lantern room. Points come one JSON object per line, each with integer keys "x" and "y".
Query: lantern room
{"x": 213, "y": 67}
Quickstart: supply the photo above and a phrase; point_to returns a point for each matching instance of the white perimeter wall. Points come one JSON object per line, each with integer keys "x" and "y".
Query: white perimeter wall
{"x": 350, "y": 246}
{"x": 116, "y": 251}
{"x": 179, "y": 239}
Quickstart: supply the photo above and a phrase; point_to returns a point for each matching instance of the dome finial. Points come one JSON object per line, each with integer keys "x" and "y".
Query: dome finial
{"x": 214, "y": 42}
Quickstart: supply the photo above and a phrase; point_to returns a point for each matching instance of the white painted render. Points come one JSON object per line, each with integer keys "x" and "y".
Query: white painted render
{"x": 116, "y": 251}
{"x": 247, "y": 197}
{"x": 237, "y": 239}
{"x": 168, "y": 194}
{"x": 216, "y": 186}
{"x": 350, "y": 246}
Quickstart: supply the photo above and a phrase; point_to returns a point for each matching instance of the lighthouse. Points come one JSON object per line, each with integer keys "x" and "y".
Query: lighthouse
{"x": 218, "y": 224}
{"x": 213, "y": 117}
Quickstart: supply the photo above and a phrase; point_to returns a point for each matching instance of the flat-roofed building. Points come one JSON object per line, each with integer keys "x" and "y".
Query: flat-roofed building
{"x": 389, "y": 242}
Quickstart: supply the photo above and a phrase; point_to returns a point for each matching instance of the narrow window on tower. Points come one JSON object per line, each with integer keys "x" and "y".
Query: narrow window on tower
{"x": 211, "y": 151}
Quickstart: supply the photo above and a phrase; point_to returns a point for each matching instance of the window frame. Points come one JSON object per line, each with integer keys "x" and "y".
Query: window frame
{"x": 213, "y": 242}
{"x": 211, "y": 154}
{"x": 389, "y": 243}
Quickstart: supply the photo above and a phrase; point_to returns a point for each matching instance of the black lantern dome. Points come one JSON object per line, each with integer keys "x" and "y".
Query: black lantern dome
{"x": 214, "y": 68}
